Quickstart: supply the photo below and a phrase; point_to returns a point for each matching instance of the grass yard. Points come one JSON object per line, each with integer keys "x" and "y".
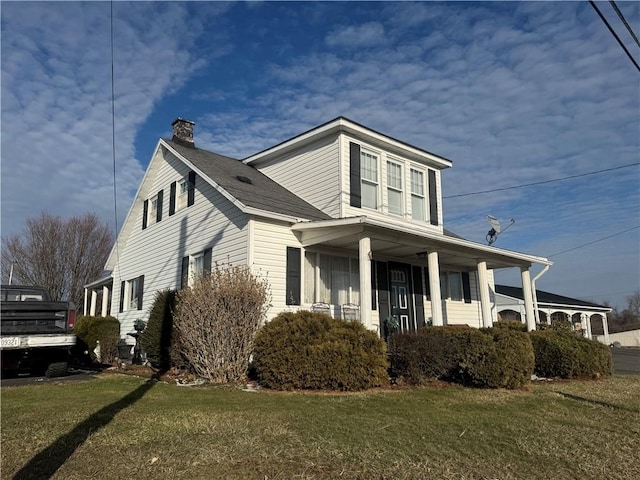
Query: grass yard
{"x": 121, "y": 427}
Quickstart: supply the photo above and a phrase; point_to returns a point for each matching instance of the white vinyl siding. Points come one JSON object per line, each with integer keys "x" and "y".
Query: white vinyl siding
{"x": 395, "y": 181}
{"x": 312, "y": 173}
{"x": 212, "y": 222}
{"x": 369, "y": 179}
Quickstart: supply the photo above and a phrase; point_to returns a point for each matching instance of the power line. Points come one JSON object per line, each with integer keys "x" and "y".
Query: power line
{"x": 624, "y": 20}
{"x": 543, "y": 181}
{"x": 113, "y": 143}
{"x": 595, "y": 241}
{"x": 614, "y": 34}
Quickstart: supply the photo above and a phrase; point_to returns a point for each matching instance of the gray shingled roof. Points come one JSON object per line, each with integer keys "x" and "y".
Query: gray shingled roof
{"x": 545, "y": 297}
{"x": 262, "y": 193}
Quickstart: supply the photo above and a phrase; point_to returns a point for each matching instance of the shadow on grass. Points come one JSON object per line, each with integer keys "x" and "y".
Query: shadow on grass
{"x": 598, "y": 402}
{"x": 49, "y": 460}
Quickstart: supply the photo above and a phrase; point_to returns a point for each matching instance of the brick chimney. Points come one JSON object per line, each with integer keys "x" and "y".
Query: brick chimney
{"x": 183, "y": 132}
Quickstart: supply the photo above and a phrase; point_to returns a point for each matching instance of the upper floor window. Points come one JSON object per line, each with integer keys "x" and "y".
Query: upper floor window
{"x": 418, "y": 202}
{"x": 152, "y": 210}
{"x": 369, "y": 179}
{"x": 395, "y": 196}
{"x": 183, "y": 193}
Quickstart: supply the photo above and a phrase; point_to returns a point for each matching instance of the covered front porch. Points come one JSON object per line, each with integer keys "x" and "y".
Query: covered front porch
{"x": 413, "y": 276}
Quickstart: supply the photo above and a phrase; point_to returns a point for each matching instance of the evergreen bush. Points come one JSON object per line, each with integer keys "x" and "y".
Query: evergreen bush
{"x": 307, "y": 350}
{"x": 566, "y": 355}
{"x": 156, "y": 339}
{"x": 106, "y": 330}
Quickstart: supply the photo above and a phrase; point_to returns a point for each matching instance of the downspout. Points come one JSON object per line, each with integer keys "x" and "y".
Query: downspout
{"x": 535, "y": 292}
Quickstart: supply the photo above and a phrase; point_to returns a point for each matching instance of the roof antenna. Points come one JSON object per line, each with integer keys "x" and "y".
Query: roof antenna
{"x": 492, "y": 235}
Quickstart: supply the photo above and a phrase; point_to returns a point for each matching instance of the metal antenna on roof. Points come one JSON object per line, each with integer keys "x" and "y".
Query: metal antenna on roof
{"x": 492, "y": 235}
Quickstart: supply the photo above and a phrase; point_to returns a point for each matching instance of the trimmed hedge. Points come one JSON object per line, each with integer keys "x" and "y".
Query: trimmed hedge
{"x": 156, "y": 339}
{"x": 307, "y": 350}
{"x": 490, "y": 358}
{"x": 566, "y": 355}
{"x": 104, "y": 329}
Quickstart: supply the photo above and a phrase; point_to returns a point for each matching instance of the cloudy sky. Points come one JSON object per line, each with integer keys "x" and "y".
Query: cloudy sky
{"x": 512, "y": 93}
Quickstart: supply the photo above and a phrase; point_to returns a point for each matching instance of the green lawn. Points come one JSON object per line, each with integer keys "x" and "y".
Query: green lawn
{"x": 121, "y": 427}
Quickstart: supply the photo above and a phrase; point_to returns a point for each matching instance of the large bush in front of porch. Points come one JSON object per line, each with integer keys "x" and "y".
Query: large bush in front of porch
{"x": 307, "y": 350}
{"x": 488, "y": 358}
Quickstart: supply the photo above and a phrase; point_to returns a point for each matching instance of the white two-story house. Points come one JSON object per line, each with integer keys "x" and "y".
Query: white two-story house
{"x": 340, "y": 218}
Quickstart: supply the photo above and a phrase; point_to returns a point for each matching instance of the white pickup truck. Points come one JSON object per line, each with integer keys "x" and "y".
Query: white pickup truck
{"x": 36, "y": 334}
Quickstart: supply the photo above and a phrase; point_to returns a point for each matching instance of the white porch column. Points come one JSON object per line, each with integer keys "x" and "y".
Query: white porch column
{"x": 105, "y": 300}
{"x": 588, "y": 326}
{"x": 485, "y": 301}
{"x": 94, "y": 300}
{"x": 605, "y": 327}
{"x": 528, "y": 298}
{"x": 86, "y": 299}
{"x": 434, "y": 288}
{"x": 364, "y": 255}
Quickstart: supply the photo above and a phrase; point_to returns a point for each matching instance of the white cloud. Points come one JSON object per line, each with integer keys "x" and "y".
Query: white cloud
{"x": 354, "y": 36}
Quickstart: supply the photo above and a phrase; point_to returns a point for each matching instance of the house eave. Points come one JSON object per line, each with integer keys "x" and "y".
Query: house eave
{"x": 349, "y": 127}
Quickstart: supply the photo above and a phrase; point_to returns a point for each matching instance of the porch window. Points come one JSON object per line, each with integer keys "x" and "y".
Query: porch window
{"x": 369, "y": 179}
{"x": 331, "y": 279}
{"x": 394, "y": 188}
{"x": 418, "y": 210}
{"x": 451, "y": 286}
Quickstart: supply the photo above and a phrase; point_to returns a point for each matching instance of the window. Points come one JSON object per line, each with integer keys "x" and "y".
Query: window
{"x": 451, "y": 285}
{"x": 195, "y": 266}
{"x": 395, "y": 197}
{"x": 131, "y": 292}
{"x": 331, "y": 279}
{"x": 369, "y": 179}
{"x": 153, "y": 211}
{"x": 418, "y": 210}
{"x": 183, "y": 194}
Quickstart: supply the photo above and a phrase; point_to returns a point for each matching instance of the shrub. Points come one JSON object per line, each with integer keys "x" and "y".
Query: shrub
{"x": 156, "y": 339}
{"x": 510, "y": 325}
{"x": 493, "y": 358}
{"x": 106, "y": 330}
{"x": 565, "y": 355}
{"x": 215, "y": 322}
{"x": 307, "y": 350}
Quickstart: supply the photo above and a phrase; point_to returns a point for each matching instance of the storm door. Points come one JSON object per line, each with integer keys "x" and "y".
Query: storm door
{"x": 399, "y": 277}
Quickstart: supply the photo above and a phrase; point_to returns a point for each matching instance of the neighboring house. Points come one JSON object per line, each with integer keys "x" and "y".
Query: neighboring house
{"x": 339, "y": 217}
{"x": 587, "y": 317}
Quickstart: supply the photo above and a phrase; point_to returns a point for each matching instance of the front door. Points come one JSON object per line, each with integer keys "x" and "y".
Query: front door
{"x": 400, "y": 297}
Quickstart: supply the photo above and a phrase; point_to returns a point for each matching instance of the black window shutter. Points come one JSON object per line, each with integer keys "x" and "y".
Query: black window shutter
{"x": 207, "y": 262}
{"x": 355, "y": 187}
{"x": 122, "y": 287}
{"x": 159, "y": 211}
{"x": 172, "y": 199}
{"x": 140, "y": 291}
{"x": 466, "y": 287}
{"x": 427, "y": 286}
{"x": 433, "y": 198}
{"x": 145, "y": 212}
{"x": 184, "y": 277}
{"x": 293, "y": 276}
{"x": 382, "y": 280}
{"x": 374, "y": 296}
{"x": 418, "y": 295}
{"x": 192, "y": 189}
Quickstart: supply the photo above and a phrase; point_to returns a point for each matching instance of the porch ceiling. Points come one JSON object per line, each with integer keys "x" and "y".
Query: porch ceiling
{"x": 388, "y": 242}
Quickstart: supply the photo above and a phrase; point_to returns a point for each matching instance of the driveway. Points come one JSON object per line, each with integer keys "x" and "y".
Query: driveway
{"x": 626, "y": 360}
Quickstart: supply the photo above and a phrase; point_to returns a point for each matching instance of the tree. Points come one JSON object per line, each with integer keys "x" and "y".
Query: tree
{"x": 633, "y": 305}
{"x": 60, "y": 255}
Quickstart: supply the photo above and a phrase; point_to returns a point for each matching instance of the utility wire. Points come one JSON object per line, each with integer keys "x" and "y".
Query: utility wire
{"x": 543, "y": 181}
{"x": 624, "y": 20}
{"x": 113, "y": 143}
{"x": 614, "y": 34}
{"x": 595, "y": 241}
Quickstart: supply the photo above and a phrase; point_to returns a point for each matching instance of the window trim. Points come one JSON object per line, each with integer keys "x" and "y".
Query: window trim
{"x": 403, "y": 207}
{"x": 422, "y": 196}
{"x": 364, "y": 152}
